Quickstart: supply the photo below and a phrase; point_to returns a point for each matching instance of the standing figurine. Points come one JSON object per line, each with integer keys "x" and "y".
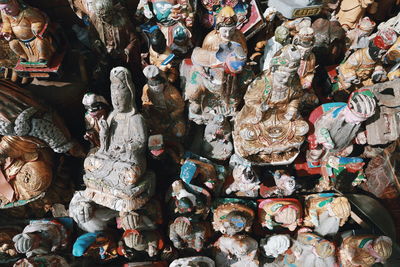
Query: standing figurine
{"x": 269, "y": 128}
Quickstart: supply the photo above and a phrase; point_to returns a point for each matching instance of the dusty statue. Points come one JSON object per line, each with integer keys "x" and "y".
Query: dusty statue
{"x": 351, "y": 12}
{"x": 26, "y": 29}
{"x": 245, "y": 180}
{"x": 280, "y": 212}
{"x": 217, "y": 141}
{"x": 115, "y": 174}
{"x": 285, "y": 185}
{"x": 186, "y": 234}
{"x": 269, "y": 129}
{"x": 364, "y": 250}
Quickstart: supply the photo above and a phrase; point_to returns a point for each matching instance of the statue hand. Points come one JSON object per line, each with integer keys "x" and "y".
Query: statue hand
{"x": 84, "y": 212}
{"x": 130, "y": 220}
{"x": 23, "y": 243}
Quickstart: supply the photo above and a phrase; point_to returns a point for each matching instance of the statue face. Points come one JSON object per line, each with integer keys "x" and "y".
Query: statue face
{"x": 11, "y": 8}
{"x": 281, "y": 78}
{"x": 120, "y": 98}
{"x": 226, "y": 33}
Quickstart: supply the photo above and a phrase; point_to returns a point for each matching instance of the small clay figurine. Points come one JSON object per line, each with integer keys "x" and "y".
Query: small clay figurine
{"x": 97, "y": 108}
{"x": 235, "y": 251}
{"x": 195, "y": 261}
{"x": 186, "y": 234}
{"x": 364, "y": 66}
{"x": 225, "y": 31}
{"x": 245, "y": 180}
{"x": 284, "y": 212}
{"x": 162, "y": 105}
{"x": 26, "y": 29}
{"x": 364, "y": 250}
{"x": 232, "y": 216}
{"x": 276, "y": 42}
{"x": 217, "y": 143}
{"x": 326, "y": 212}
{"x": 42, "y": 237}
{"x": 269, "y": 129}
{"x": 285, "y": 185}
{"x": 98, "y": 246}
{"x": 275, "y": 245}
{"x": 351, "y": 12}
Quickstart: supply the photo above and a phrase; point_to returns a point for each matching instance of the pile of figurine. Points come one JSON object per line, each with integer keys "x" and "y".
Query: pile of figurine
{"x": 218, "y": 133}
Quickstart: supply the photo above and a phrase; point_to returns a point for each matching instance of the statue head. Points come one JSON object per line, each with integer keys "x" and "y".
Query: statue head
{"x": 366, "y": 25}
{"x": 383, "y": 40}
{"x": 304, "y": 41}
{"x": 104, "y": 9}
{"x": 155, "y": 80}
{"x": 157, "y": 41}
{"x": 235, "y": 222}
{"x": 226, "y": 23}
{"x": 10, "y": 7}
{"x": 122, "y": 90}
{"x": 233, "y": 56}
{"x": 360, "y": 107}
{"x": 287, "y": 216}
{"x": 282, "y": 35}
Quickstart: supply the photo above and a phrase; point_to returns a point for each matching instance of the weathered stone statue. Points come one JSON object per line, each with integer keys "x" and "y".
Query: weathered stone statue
{"x": 269, "y": 129}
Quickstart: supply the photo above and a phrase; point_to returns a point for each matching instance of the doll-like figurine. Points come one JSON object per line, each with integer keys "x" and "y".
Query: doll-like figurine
{"x": 162, "y": 105}
{"x": 97, "y": 108}
{"x": 195, "y": 261}
{"x": 311, "y": 250}
{"x": 186, "y": 234}
{"x": 232, "y": 216}
{"x": 326, "y": 212}
{"x": 285, "y": 185}
{"x": 42, "y": 237}
{"x": 97, "y": 246}
{"x": 269, "y": 129}
{"x": 351, "y": 12}
{"x": 276, "y": 42}
{"x": 225, "y": 31}
{"x": 26, "y": 29}
{"x": 283, "y": 212}
{"x": 365, "y": 250}
{"x": 235, "y": 251}
{"x": 245, "y": 180}
{"x": 217, "y": 143}
{"x": 364, "y": 66}
{"x": 115, "y": 172}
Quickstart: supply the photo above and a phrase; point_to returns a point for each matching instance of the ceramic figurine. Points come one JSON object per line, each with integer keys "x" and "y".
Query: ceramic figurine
{"x": 232, "y": 216}
{"x": 283, "y": 212}
{"x": 8, "y": 252}
{"x": 245, "y": 180}
{"x": 357, "y": 38}
{"x": 326, "y": 212}
{"x": 365, "y": 250}
{"x": 311, "y": 250}
{"x": 97, "y": 108}
{"x": 161, "y": 55}
{"x": 97, "y": 246}
{"x": 285, "y": 185}
{"x": 297, "y": 8}
{"x": 42, "y": 237}
{"x": 276, "y": 42}
{"x": 217, "y": 143}
{"x": 42, "y": 260}
{"x": 304, "y": 42}
{"x": 225, "y": 31}
{"x": 269, "y": 129}
{"x": 275, "y": 245}
{"x": 215, "y": 82}
{"x": 364, "y": 66}
{"x": 115, "y": 172}
{"x": 351, "y": 12}
{"x": 186, "y": 234}
{"x": 235, "y": 251}
{"x": 193, "y": 261}
{"x": 26, "y": 29}
{"x": 162, "y": 105}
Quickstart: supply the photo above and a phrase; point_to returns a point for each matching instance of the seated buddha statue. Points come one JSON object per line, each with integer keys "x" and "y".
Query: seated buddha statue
{"x": 269, "y": 129}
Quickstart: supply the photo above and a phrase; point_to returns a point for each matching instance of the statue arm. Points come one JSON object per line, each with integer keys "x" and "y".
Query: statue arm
{"x": 38, "y": 22}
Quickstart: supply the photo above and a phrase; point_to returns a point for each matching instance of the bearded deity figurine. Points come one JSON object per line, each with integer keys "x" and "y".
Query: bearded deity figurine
{"x": 336, "y": 125}
{"x": 285, "y": 185}
{"x": 269, "y": 129}
{"x": 217, "y": 143}
{"x": 236, "y": 251}
{"x": 351, "y": 12}
{"x": 283, "y": 212}
{"x": 115, "y": 174}
{"x": 97, "y": 108}
{"x": 196, "y": 261}
{"x": 99, "y": 246}
{"x": 365, "y": 250}
{"x": 43, "y": 237}
{"x": 186, "y": 234}
{"x": 311, "y": 250}
{"x": 225, "y": 31}
{"x": 364, "y": 66}
{"x": 162, "y": 105}
{"x": 326, "y": 212}
{"x": 215, "y": 82}
{"x": 26, "y": 29}
{"x": 232, "y": 216}
{"x": 276, "y": 42}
